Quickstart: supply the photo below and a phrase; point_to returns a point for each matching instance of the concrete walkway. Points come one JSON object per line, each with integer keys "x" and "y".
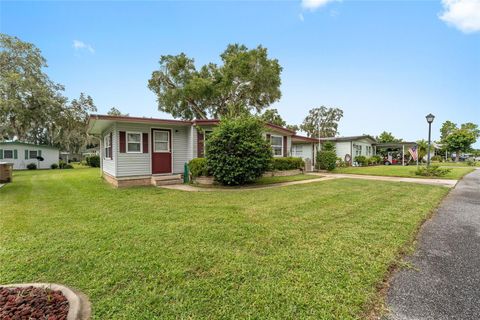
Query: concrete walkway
{"x": 322, "y": 177}
{"x": 187, "y": 187}
{"x": 444, "y": 282}
{"x": 435, "y": 182}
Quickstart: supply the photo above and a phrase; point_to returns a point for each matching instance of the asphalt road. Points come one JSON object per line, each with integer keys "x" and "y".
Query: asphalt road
{"x": 444, "y": 282}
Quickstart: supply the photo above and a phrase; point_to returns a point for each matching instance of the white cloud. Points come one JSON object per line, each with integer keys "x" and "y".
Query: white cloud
{"x": 80, "y": 45}
{"x": 462, "y": 14}
{"x": 315, "y": 4}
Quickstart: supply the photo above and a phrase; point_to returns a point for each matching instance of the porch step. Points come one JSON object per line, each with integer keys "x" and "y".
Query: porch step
{"x": 167, "y": 180}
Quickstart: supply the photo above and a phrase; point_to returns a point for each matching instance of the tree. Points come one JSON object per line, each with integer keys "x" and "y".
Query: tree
{"x": 292, "y": 127}
{"x": 387, "y": 137}
{"x": 28, "y": 98}
{"x": 272, "y": 116}
{"x": 32, "y": 107}
{"x": 460, "y": 140}
{"x": 324, "y": 118}
{"x": 422, "y": 147}
{"x": 115, "y": 112}
{"x": 247, "y": 80}
{"x": 447, "y": 128}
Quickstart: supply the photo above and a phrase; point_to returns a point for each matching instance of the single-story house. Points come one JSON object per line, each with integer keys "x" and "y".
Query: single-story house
{"x": 143, "y": 151}
{"x": 21, "y": 154}
{"x": 348, "y": 148}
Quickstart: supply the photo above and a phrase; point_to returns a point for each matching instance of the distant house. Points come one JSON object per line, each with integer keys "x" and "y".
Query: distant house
{"x": 21, "y": 154}
{"x": 141, "y": 151}
{"x": 348, "y": 148}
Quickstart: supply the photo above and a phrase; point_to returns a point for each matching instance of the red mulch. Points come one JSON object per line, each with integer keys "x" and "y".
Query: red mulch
{"x": 32, "y": 303}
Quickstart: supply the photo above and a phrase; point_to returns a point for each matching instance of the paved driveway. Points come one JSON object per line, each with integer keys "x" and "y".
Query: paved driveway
{"x": 444, "y": 282}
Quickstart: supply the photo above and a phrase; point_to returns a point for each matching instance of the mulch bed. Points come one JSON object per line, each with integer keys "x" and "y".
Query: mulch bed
{"x": 31, "y": 303}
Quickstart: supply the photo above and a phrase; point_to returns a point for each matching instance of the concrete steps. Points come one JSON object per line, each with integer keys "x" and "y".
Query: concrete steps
{"x": 167, "y": 180}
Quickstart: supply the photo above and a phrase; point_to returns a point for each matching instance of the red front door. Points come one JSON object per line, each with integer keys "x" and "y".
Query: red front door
{"x": 161, "y": 151}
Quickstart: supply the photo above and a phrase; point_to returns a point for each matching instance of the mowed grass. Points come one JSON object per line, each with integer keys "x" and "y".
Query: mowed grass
{"x": 280, "y": 179}
{"x": 311, "y": 251}
{"x": 401, "y": 171}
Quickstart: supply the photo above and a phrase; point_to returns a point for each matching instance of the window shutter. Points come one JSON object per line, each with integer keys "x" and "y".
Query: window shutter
{"x": 15, "y": 154}
{"x": 268, "y": 137}
{"x": 200, "y": 151}
{"x": 26, "y": 154}
{"x": 145, "y": 142}
{"x": 285, "y": 150}
{"x": 111, "y": 145}
{"x": 123, "y": 145}
{"x": 1, "y": 154}
{"x": 39, "y": 153}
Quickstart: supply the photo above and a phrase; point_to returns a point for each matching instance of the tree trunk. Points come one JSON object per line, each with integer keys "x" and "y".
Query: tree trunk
{"x": 457, "y": 156}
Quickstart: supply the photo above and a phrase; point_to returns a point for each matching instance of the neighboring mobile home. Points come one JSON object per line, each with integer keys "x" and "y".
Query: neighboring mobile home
{"x": 21, "y": 154}
{"x": 142, "y": 151}
{"x": 348, "y": 148}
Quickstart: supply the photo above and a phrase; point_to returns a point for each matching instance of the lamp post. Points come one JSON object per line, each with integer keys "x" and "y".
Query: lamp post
{"x": 429, "y": 118}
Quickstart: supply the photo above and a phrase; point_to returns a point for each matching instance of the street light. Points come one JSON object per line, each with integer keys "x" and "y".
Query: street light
{"x": 429, "y": 118}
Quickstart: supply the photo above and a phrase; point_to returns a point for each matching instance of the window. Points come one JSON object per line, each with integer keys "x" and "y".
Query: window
{"x": 7, "y": 154}
{"x": 277, "y": 145}
{"x": 134, "y": 142}
{"x": 358, "y": 149}
{"x": 161, "y": 141}
{"x": 32, "y": 154}
{"x": 107, "y": 147}
{"x": 297, "y": 150}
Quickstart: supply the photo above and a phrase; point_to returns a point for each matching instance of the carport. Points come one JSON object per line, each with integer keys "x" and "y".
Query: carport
{"x": 400, "y": 147}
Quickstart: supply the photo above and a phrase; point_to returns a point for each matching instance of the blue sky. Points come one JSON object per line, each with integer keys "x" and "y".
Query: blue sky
{"x": 385, "y": 63}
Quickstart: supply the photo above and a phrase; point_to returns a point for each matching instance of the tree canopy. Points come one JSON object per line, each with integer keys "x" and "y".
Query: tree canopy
{"x": 387, "y": 137}
{"x": 32, "y": 107}
{"x": 322, "y": 122}
{"x": 272, "y": 116}
{"x": 458, "y": 139}
{"x": 246, "y": 81}
{"x": 115, "y": 112}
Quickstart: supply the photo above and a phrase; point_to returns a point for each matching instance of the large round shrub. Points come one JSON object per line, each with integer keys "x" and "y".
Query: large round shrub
{"x": 237, "y": 152}
{"x": 326, "y": 160}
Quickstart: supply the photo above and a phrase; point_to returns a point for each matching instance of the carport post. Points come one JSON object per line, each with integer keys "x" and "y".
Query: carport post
{"x": 403, "y": 154}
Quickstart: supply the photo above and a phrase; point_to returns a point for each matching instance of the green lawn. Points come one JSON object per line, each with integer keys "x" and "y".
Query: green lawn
{"x": 315, "y": 250}
{"x": 401, "y": 171}
{"x": 456, "y": 164}
{"x": 279, "y": 179}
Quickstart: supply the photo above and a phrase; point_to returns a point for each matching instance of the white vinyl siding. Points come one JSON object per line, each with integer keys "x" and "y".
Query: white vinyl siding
{"x": 49, "y": 155}
{"x": 140, "y": 164}
{"x": 302, "y": 150}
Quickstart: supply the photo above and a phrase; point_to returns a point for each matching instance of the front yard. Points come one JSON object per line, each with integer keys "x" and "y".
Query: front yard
{"x": 402, "y": 171}
{"x": 315, "y": 250}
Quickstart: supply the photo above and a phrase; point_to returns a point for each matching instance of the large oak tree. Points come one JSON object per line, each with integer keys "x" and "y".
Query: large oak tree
{"x": 246, "y": 81}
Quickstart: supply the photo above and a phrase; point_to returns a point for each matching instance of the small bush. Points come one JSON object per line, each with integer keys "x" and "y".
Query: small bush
{"x": 471, "y": 162}
{"x": 54, "y": 166}
{"x": 437, "y": 158}
{"x": 287, "y": 163}
{"x": 198, "y": 167}
{"x": 432, "y": 171}
{"x": 93, "y": 161}
{"x": 340, "y": 163}
{"x": 361, "y": 160}
{"x": 68, "y": 166}
{"x": 62, "y": 164}
{"x": 237, "y": 152}
{"x": 31, "y": 166}
{"x": 375, "y": 160}
{"x": 326, "y": 160}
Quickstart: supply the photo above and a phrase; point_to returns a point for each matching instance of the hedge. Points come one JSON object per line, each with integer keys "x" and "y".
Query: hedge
{"x": 198, "y": 167}
{"x": 287, "y": 163}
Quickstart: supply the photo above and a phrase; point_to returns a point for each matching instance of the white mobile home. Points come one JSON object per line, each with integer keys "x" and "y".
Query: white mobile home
{"x": 143, "y": 151}
{"x": 21, "y": 154}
